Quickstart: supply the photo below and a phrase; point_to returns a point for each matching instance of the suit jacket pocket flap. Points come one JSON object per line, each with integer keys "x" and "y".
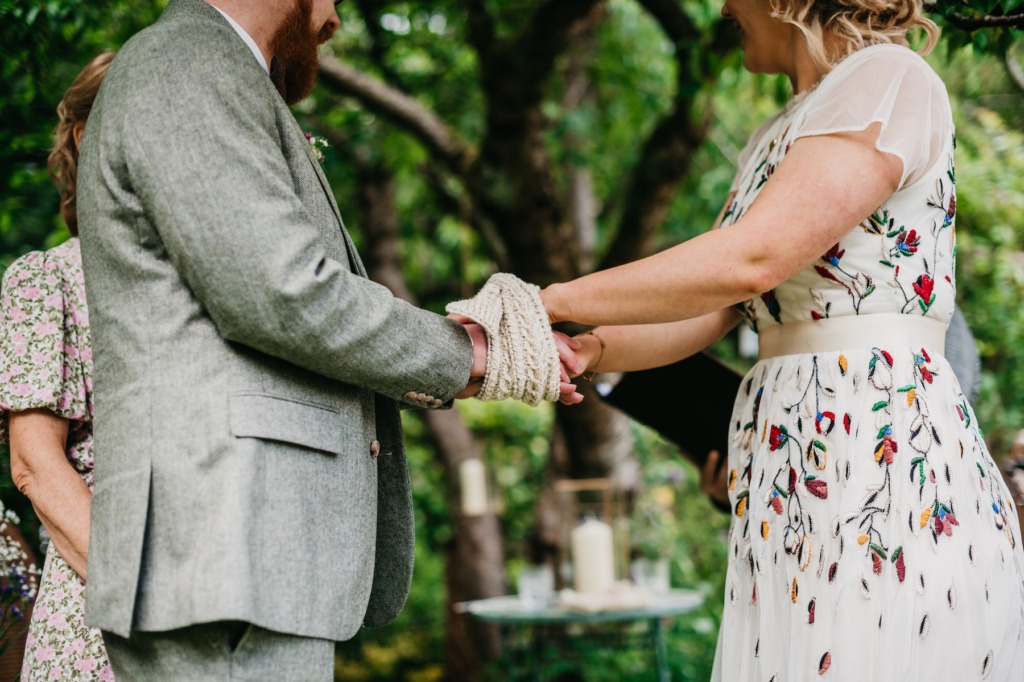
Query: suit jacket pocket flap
{"x": 255, "y": 415}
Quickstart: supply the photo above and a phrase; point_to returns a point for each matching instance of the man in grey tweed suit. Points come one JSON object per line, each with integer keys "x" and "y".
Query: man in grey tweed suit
{"x": 252, "y": 501}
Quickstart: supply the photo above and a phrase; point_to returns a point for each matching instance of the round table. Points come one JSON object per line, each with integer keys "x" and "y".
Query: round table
{"x": 536, "y": 614}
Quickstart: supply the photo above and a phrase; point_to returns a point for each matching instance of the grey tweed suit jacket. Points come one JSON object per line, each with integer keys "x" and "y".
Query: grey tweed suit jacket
{"x": 249, "y": 456}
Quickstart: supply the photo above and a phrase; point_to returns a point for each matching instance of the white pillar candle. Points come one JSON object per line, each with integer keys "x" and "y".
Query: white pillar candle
{"x": 593, "y": 560}
{"x": 473, "y": 485}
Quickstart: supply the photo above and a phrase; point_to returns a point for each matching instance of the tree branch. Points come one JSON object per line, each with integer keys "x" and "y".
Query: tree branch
{"x": 515, "y": 165}
{"x": 667, "y": 153}
{"x": 445, "y": 145}
{"x": 975, "y": 22}
{"x": 673, "y": 21}
{"x": 514, "y": 72}
{"x": 400, "y": 108}
{"x": 664, "y": 161}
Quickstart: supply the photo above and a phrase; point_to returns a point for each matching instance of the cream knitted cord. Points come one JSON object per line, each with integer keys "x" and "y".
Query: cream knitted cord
{"x": 522, "y": 360}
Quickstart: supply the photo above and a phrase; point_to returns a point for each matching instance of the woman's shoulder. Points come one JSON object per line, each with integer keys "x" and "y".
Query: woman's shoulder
{"x": 876, "y": 65}
{"x": 27, "y": 280}
{"x": 28, "y": 266}
{"x": 45, "y": 267}
{"x": 883, "y": 82}
{"x": 69, "y": 252}
{"x": 39, "y": 275}
{"x": 885, "y": 52}
{"x": 895, "y": 87}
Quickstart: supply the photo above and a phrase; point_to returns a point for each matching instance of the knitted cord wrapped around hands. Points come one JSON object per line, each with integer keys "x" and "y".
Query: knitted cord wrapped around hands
{"x": 522, "y": 359}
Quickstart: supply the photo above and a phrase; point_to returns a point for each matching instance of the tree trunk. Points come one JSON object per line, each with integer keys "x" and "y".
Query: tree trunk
{"x": 543, "y": 224}
{"x": 475, "y": 561}
{"x": 476, "y": 553}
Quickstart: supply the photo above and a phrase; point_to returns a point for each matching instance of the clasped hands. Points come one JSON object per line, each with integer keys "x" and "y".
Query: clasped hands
{"x": 573, "y": 362}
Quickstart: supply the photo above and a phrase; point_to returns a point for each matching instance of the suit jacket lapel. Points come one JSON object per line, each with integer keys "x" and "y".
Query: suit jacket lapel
{"x": 353, "y": 257}
{"x": 199, "y": 7}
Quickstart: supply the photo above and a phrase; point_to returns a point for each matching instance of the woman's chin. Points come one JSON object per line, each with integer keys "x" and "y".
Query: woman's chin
{"x": 750, "y": 63}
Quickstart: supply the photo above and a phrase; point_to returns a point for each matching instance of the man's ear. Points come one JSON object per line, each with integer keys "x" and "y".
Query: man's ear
{"x": 76, "y": 133}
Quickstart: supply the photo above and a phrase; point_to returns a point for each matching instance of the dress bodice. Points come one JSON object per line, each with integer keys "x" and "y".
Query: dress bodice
{"x": 901, "y": 259}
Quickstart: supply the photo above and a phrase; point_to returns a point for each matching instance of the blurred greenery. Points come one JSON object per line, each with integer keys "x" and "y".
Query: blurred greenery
{"x": 671, "y": 512}
{"x": 632, "y": 77}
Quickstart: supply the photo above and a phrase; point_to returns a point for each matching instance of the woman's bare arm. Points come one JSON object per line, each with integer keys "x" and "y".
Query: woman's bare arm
{"x": 637, "y": 347}
{"x": 42, "y": 473}
{"x": 643, "y": 346}
{"x": 824, "y": 187}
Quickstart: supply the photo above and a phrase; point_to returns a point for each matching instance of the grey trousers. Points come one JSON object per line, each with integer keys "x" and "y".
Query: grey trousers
{"x": 218, "y": 652}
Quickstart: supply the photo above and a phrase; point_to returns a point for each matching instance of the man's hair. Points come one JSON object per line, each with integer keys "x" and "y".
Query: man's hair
{"x": 74, "y": 108}
{"x": 835, "y": 28}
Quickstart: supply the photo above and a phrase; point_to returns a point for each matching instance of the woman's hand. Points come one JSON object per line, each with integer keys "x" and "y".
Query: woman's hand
{"x": 589, "y": 354}
{"x": 568, "y": 355}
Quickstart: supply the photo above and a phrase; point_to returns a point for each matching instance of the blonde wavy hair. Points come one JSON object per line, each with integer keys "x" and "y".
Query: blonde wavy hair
{"x": 73, "y": 109}
{"x": 835, "y": 28}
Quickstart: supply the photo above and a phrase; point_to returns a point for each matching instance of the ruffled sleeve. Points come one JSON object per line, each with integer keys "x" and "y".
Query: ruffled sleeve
{"x": 894, "y": 86}
{"x": 40, "y": 358}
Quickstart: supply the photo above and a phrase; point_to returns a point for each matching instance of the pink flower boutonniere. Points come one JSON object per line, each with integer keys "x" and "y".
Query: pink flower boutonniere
{"x": 319, "y": 144}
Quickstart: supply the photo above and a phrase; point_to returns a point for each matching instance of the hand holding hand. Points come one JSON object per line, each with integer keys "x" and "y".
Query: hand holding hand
{"x": 571, "y": 367}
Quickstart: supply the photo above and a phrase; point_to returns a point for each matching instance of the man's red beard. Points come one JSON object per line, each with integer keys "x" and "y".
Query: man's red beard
{"x": 294, "y": 46}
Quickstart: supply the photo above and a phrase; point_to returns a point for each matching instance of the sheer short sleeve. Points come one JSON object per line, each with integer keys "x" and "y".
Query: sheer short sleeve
{"x": 41, "y": 361}
{"x": 894, "y": 86}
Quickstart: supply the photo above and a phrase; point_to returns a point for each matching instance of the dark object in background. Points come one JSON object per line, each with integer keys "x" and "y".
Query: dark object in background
{"x": 689, "y": 403}
{"x": 962, "y": 355}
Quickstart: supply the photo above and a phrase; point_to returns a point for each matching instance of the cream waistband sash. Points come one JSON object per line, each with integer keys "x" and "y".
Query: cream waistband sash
{"x": 854, "y": 331}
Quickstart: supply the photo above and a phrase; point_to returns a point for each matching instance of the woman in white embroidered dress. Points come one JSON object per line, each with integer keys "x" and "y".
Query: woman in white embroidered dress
{"x": 872, "y": 536}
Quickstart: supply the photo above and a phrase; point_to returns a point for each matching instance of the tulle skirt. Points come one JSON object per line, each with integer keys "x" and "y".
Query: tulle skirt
{"x": 873, "y": 537}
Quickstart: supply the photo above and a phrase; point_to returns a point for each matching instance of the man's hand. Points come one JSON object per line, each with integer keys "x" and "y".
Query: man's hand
{"x": 714, "y": 480}
{"x": 479, "y": 367}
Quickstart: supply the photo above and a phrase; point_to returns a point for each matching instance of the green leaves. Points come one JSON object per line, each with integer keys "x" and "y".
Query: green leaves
{"x": 45, "y": 45}
{"x": 990, "y": 26}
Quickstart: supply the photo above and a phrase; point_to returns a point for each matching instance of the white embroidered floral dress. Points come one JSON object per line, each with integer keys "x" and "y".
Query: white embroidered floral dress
{"x": 872, "y": 535}
{"x": 46, "y": 362}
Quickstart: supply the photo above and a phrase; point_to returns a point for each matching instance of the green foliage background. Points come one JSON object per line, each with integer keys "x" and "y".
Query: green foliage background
{"x": 45, "y": 43}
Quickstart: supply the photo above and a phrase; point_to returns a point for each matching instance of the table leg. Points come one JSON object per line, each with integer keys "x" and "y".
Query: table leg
{"x": 660, "y": 650}
{"x": 538, "y": 651}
